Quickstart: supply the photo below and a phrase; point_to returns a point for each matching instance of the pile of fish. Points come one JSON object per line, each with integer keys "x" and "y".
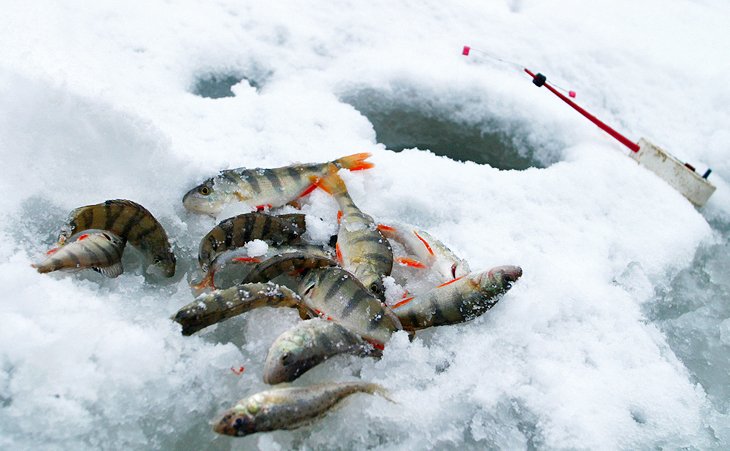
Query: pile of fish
{"x": 338, "y": 287}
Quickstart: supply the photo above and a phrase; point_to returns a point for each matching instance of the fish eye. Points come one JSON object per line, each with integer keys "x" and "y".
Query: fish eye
{"x": 376, "y": 288}
{"x": 204, "y": 190}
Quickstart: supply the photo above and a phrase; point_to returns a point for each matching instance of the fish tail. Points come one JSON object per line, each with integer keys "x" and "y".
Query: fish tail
{"x": 355, "y": 162}
{"x": 206, "y": 282}
{"x": 331, "y": 183}
{"x": 377, "y": 389}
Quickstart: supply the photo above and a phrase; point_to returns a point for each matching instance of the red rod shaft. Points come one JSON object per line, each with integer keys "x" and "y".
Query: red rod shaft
{"x": 603, "y": 126}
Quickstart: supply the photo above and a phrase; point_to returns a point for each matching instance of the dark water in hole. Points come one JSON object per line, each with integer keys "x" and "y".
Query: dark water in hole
{"x": 400, "y": 124}
{"x": 218, "y": 86}
{"x": 693, "y": 311}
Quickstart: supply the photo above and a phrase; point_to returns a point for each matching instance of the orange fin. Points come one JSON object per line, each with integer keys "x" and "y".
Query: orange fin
{"x": 263, "y": 207}
{"x": 355, "y": 162}
{"x": 385, "y": 228}
{"x": 82, "y": 237}
{"x": 246, "y": 260}
{"x": 406, "y": 261}
{"x": 309, "y": 189}
{"x": 205, "y": 283}
{"x": 425, "y": 243}
{"x": 52, "y": 251}
{"x": 338, "y": 252}
{"x": 339, "y": 216}
{"x": 449, "y": 282}
{"x": 403, "y": 302}
{"x": 375, "y": 344}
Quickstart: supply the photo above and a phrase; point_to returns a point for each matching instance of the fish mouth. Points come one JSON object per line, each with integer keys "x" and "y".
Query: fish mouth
{"x": 233, "y": 424}
{"x": 507, "y": 273}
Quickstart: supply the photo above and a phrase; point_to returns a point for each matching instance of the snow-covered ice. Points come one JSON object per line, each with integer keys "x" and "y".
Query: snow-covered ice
{"x": 617, "y": 335}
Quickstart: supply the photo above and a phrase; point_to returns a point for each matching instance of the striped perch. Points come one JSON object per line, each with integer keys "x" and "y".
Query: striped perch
{"x": 130, "y": 221}
{"x": 458, "y": 300}
{"x": 212, "y": 308}
{"x": 246, "y": 266}
{"x": 96, "y": 249}
{"x": 337, "y": 295}
{"x": 263, "y": 188}
{"x": 290, "y": 263}
{"x": 361, "y": 248}
{"x": 308, "y": 344}
{"x": 237, "y": 231}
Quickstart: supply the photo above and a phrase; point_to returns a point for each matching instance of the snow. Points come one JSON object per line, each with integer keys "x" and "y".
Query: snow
{"x": 615, "y": 337}
{"x": 256, "y": 248}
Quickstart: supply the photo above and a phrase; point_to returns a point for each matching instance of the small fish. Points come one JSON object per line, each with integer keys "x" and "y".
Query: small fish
{"x": 427, "y": 250}
{"x": 96, "y": 249}
{"x": 336, "y": 294}
{"x": 361, "y": 248}
{"x": 292, "y": 263}
{"x": 308, "y": 344}
{"x": 130, "y": 221}
{"x": 211, "y": 308}
{"x": 261, "y": 187}
{"x": 237, "y": 231}
{"x": 288, "y": 408}
{"x": 458, "y": 300}
{"x": 245, "y": 264}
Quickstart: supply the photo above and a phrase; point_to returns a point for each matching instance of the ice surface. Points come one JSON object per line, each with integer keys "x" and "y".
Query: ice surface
{"x": 615, "y": 337}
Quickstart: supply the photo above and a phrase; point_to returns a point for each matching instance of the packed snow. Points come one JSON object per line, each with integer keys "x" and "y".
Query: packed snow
{"x": 616, "y": 336}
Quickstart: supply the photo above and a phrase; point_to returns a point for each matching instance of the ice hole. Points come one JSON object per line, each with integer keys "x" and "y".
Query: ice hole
{"x": 216, "y": 86}
{"x": 404, "y": 121}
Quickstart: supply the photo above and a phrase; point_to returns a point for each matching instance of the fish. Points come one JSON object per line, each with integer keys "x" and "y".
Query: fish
{"x": 131, "y": 222}
{"x": 263, "y": 188}
{"x": 291, "y": 263}
{"x": 308, "y": 344}
{"x": 245, "y": 265}
{"x": 429, "y": 252}
{"x": 458, "y": 300}
{"x": 235, "y": 232}
{"x": 361, "y": 248}
{"x": 96, "y": 249}
{"x": 219, "y": 305}
{"x": 337, "y": 295}
{"x": 288, "y": 408}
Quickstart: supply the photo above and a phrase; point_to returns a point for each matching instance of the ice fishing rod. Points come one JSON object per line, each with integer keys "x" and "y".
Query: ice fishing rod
{"x": 681, "y": 176}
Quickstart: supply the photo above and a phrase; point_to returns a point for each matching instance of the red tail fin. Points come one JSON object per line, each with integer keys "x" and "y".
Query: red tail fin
{"x": 355, "y": 162}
